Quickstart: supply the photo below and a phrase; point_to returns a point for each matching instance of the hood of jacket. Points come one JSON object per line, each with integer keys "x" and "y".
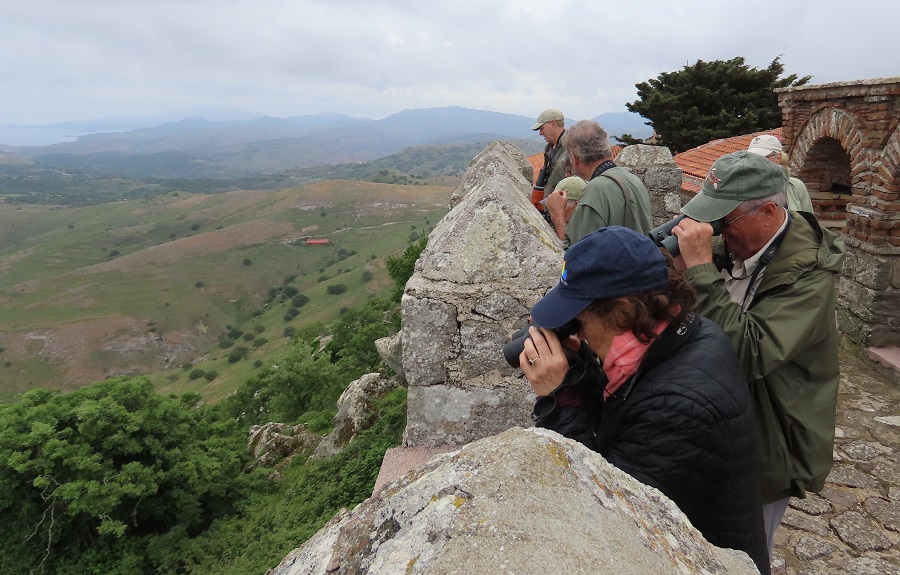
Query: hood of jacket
{"x": 807, "y": 245}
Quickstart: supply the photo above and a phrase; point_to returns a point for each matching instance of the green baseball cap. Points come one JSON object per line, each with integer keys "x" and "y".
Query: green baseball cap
{"x": 546, "y": 116}
{"x": 735, "y": 178}
{"x": 574, "y": 185}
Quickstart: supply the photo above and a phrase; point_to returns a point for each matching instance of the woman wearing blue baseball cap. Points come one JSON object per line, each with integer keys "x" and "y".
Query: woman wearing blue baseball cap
{"x": 652, "y": 386}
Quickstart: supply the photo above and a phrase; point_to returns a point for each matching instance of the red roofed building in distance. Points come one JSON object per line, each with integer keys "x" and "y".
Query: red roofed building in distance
{"x": 317, "y": 242}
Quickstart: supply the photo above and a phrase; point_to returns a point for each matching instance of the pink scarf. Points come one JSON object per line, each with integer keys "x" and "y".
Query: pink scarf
{"x": 625, "y": 354}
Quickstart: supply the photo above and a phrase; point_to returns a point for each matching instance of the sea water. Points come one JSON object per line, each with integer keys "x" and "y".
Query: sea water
{"x": 12, "y": 135}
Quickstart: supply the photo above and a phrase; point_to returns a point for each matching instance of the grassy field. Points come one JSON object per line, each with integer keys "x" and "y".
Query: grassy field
{"x": 147, "y": 286}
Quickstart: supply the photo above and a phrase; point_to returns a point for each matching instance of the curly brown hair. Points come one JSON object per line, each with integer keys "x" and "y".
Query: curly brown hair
{"x": 641, "y": 313}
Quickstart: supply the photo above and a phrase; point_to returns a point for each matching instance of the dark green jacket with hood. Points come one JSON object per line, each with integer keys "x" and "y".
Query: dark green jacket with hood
{"x": 787, "y": 343}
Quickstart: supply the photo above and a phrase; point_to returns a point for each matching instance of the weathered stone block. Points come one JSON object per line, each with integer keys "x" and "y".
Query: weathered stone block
{"x": 873, "y": 271}
{"x": 527, "y": 501}
{"x": 430, "y": 339}
{"x": 487, "y": 262}
{"x": 498, "y": 159}
{"x": 664, "y": 178}
{"x": 643, "y": 156}
{"x": 444, "y": 415}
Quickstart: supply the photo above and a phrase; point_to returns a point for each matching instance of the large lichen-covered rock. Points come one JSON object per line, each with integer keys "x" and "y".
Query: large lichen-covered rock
{"x": 275, "y": 444}
{"x": 487, "y": 262}
{"x": 524, "y": 502}
{"x": 355, "y": 408}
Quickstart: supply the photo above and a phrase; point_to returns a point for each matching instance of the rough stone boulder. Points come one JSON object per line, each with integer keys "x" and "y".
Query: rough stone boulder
{"x": 273, "y": 443}
{"x": 355, "y": 408}
{"x": 390, "y": 350}
{"x": 524, "y": 502}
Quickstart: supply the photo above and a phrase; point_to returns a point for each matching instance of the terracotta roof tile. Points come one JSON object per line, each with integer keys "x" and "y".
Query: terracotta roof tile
{"x": 695, "y": 163}
{"x": 537, "y": 162}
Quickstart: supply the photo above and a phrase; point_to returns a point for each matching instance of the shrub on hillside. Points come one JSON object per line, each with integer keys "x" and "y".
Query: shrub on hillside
{"x": 336, "y": 289}
{"x": 237, "y": 354}
{"x": 112, "y": 478}
{"x": 401, "y": 266}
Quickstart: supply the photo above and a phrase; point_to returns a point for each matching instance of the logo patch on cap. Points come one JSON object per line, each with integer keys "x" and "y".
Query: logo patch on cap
{"x": 712, "y": 179}
{"x": 564, "y": 274}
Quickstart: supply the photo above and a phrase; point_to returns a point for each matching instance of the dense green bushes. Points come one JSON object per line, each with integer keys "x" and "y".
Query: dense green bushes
{"x": 115, "y": 479}
{"x": 93, "y": 481}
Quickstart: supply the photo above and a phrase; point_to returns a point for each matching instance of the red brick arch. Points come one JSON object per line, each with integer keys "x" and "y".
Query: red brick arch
{"x": 843, "y": 141}
{"x": 833, "y": 123}
{"x": 889, "y": 165}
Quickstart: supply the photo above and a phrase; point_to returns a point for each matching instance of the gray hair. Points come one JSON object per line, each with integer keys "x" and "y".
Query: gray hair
{"x": 779, "y": 199}
{"x": 587, "y": 141}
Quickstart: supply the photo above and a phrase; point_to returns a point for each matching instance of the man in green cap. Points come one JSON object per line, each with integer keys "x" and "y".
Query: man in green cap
{"x": 776, "y": 304}
{"x": 551, "y": 125}
{"x": 571, "y": 189}
{"x": 613, "y": 196}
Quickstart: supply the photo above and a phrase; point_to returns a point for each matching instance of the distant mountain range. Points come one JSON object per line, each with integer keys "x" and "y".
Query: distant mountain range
{"x": 200, "y": 148}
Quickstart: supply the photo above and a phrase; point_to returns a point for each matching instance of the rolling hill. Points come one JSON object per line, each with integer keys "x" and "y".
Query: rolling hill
{"x": 148, "y": 285}
{"x": 199, "y": 148}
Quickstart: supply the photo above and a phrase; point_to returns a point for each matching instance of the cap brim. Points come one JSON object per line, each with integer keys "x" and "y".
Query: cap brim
{"x": 704, "y": 208}
{"x": 554, "y": 309}
{"x": 538, "y": 125}
{"x": 761, "y": 151}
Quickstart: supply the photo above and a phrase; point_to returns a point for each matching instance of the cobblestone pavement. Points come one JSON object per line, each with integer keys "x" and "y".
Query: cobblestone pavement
{"x": 853, "y": 526}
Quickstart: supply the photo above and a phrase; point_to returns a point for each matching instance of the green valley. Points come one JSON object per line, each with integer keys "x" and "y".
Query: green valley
{"x": 152, "y": 285}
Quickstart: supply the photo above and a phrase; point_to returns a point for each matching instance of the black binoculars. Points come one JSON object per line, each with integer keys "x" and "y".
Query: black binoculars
{"x": 513, "y": 349}
{"x": 662, "y": 235}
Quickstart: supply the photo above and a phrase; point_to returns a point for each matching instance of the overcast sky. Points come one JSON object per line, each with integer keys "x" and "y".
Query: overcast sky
{"x": 84, "y": 59}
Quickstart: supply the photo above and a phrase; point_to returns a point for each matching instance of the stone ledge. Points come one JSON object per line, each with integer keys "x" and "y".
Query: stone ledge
{"x": 886, "y": 356}
{"x": 399, "y": 461}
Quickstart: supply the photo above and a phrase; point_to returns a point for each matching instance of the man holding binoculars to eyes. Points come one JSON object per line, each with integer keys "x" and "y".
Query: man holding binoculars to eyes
{"x": 776, "y": 305}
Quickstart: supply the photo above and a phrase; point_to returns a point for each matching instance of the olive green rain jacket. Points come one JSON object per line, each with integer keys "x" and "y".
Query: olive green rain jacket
{"x": 787, "y": 343}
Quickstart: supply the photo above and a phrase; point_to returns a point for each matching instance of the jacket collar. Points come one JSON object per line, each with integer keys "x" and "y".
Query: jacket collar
{"x": 673, "y": 337}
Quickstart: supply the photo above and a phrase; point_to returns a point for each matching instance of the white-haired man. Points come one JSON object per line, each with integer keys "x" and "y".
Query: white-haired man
{"x": 776, "y": 304}
{"x": 769, "y": 147}
{"x": 613, "y": 196}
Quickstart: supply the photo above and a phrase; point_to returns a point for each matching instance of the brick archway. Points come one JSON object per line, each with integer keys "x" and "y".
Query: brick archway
{"x": 843, "y": 141}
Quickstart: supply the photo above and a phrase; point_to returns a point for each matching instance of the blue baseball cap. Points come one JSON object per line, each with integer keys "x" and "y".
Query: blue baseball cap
{"x": 611, "y": 262}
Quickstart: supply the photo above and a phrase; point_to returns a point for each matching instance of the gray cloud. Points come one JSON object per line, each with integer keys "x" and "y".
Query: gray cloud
{"x": 79, "y": 59}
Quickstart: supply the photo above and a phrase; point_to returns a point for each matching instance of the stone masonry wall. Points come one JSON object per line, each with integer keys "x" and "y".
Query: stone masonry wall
{"x": 487, "y": 263}
{"x": 655, "y": 166}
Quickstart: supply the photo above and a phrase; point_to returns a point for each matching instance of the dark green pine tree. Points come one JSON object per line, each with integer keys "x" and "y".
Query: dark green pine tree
{"x": 710, "y": 100}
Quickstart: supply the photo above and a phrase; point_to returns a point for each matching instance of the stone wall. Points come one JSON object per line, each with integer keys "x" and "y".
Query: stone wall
{"x": 655, "y": 166}
{"x": 486, "y": 264}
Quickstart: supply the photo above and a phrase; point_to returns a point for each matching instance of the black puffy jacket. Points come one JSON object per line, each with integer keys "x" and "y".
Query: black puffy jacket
{"x": 683, "y": 424}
